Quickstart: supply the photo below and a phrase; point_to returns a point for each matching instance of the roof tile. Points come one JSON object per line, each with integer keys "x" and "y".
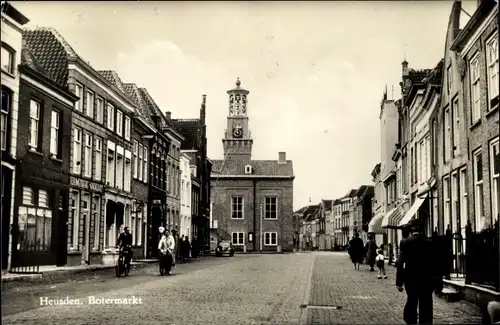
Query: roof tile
{"x": 113, "y": 78}
{"x": 191, "y": 131}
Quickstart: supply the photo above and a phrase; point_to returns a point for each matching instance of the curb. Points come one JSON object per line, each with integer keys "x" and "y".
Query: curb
{"x": 65, "y": 272}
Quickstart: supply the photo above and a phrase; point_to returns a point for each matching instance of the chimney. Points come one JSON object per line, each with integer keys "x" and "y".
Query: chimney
{"x": 282, "y": 157}
{"x": 404, "y": 65}
{"x": 203, "y": 109}
{"x": 168, "y": 115}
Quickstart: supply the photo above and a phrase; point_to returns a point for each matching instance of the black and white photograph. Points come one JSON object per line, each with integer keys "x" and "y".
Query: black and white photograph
{"x": 250, "y": 162}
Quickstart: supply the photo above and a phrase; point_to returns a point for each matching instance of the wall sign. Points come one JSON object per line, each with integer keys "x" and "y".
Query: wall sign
{"x": 86, "y": 185}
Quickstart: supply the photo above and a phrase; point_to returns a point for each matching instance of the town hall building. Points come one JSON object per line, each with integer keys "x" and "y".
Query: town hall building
{"x": 252, "y": 199}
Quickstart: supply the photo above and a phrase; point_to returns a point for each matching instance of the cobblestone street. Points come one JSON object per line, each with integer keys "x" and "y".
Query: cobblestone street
{"x": 364, "y": 299}
{"x": 245, "y": 289}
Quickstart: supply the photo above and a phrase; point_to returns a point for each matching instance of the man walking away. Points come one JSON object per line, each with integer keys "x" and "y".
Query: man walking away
{"x": 187, "y": 248}
{"x": 371, "y": 252}
{"x": 418, "y": 271}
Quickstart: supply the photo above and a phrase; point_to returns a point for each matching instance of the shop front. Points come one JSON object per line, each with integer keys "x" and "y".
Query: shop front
{"x": 85, "y": 222}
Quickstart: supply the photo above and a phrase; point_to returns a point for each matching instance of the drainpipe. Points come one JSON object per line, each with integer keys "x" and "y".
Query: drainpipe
{"x": 149, "y": 216}
{"x": 254, "y": 213}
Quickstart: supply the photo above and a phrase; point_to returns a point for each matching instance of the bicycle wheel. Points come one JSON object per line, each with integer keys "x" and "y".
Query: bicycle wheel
{"x": 126, "y": 269}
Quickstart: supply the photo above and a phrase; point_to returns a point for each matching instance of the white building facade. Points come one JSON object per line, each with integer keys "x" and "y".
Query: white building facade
{"x": 185, "y": 197}
{"x": 12, "y": 22}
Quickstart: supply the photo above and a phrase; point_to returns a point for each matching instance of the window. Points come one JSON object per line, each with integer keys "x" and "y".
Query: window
{"x": 98, "y": 159}
{"x": 237, "y": 207}
{"x": 75, "y": 217}
{"x": 412, "y": 166}
{"x": 119, "y": 122}
{"x": 54, "y": 133}
{"x": 90, "y": 104}
{"x": 447, "y": 203}
{"x": 136, "y": 147}
{"x": 456, "y": 128}
{"x": 119, "y": 170}
{"x": 96, "y": 214}
{"x": 495, "y": 179}
{"x": 449, "y": 78}
{"x": 454, "y": 202}
{"x": 128, "y": 172}
{"x": 271, "y": 207}
{"x": 7, "y": 60}
{"x": 447, "y": 135}
{"x": 434, "y": 143}
{"x": 99, "y": 110}
{"x": 110, "y": 169}
{"x": 34, "y": 126}
{"x": 475, "y": 89}
{"x": 478, "y": 188}
{"x": 111, "y": 117}
{"x": 79, "y": 94}
{"x": 238, "y": 238}
{"x": 77, "y": 150}
{"x": 5, "y": 120}
{"x": 145, "y": 169}
{"x": 271, "y": 238}
{"x": 463, "y": 200}
{"x": 35, "y": 220}
{"x": 141, "y": 148}
{"x": 127, "y": 127}
{"x": 492, "y": 63}
{"x": 88, "y": 155}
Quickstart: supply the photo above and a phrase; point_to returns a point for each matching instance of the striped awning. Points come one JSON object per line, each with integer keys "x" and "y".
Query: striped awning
{"x": 393, "y": 217}
{"x": 375, "y": 225}
{"x": 413, "y": 210}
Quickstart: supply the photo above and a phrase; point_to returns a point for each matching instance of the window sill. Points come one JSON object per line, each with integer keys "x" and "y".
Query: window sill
{"x": 475, "y": 125}
{"x": 271, "y": 245}
{"x": 54, "y": 158}
{"x": 271, "y": 219}
{"x": 237, "y": 218}
{"x": 10, "y": 74}
{"x": 492, "y": 111}
{"x": 33, "y": 150}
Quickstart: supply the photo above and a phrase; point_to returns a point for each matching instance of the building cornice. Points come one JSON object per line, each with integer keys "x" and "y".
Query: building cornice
{"x": 145, "y": 123}
{"x": 47, "y": 86}
{"x": 217, "y": 176}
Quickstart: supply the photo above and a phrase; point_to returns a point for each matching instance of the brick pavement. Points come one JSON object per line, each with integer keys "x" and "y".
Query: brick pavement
{"x": 364, "y": 299}
{"x": 250, "y": 289}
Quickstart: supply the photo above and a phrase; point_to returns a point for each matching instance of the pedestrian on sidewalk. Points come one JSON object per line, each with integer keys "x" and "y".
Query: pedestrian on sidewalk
{"x": 187, "y": 248}
{"x": 380, "y": 260}
{"x": 391, "y": 254}
{"x": 356, "y": 250}
{"x": 418, "y": 271}
{"x": 371, "y": 252}
{"x": 182, "y": 248}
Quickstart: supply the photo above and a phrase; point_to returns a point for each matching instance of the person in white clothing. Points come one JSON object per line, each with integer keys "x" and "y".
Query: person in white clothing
{"x": 380, "y": 261}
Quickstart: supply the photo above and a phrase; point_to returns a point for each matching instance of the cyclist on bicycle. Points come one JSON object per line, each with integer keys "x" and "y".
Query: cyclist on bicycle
{"x": 167, "y": 243}
{"x": 124, "y": 242}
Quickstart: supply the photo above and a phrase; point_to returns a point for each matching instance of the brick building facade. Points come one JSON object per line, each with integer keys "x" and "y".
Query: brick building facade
{"x": 251, "y": 197}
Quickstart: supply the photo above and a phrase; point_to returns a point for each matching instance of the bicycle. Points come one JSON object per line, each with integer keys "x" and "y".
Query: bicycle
{"x": 121, "y": 268}
{"x": 165, "y": 263}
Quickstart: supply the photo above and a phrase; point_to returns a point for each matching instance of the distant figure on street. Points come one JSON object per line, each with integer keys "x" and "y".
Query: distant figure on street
{"x": 419, "y": 272}
{"x": 494, "y": 312}
{"x": 194, "y": 248}
{"x": 182, "y": 248}
{"x": 371, "y": 252}
{"x": 187, "y": 248}
{"x": 356, "y": 251}
{"x": 380, "y": 260}
{"x": 391, "y": 254}
{"x": 170, "y": 243}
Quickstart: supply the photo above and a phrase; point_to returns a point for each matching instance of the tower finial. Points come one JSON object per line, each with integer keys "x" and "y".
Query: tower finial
{"x": 404, "y": 57}
{"x": 238, "y": 82}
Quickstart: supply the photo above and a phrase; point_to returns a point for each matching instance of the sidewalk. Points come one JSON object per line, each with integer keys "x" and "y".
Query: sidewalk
{"x": 61, "y": 271}
{"x": 342, "y": 295}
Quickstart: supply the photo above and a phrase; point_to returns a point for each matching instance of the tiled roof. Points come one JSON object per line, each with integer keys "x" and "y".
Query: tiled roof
{"x": 190, "y": 129}
{"x": 365, "y": 190}
{"x": 327, "y": 204}
{"x": 133, "y": 92}
{"x": 435, "y": 75}
{"x": 28, "y": 59}
{"x": 260, "y": 167}
{"x": 337, "y": 202}
{"x": 311, "y": 213}
{"x": 152, "y": 107}
{"x": 51, "y": 52}
{"x": 351, "y": 193}
{"x": 113, "y": 78}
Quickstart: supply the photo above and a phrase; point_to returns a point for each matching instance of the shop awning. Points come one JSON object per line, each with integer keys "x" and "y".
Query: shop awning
{"x": 375, "y": 225}
{"x": 393, "y": 217}
{"x": 413, "y": 210}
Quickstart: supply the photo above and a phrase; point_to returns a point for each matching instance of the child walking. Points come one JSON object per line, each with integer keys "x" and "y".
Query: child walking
{"x": 380, "y": 260}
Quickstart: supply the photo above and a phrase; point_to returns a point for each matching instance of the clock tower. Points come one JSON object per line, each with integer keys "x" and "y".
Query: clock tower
{"x": 237, "y": 141}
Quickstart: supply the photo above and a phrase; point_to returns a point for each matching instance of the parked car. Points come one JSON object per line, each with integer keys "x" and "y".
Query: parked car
{"x": 224, "y": 248}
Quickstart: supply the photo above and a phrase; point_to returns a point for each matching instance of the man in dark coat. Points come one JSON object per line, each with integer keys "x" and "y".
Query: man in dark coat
{"x": 356, "y": 250}
{"x": 419, "y": 272}
{"x": 371, "y": 252}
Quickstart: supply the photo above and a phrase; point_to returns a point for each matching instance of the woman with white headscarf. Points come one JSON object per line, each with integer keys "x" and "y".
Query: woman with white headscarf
{"x": 167, "y": 243}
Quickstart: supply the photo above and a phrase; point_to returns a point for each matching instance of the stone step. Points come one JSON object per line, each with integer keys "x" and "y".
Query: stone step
{"x": 450, "y": 295}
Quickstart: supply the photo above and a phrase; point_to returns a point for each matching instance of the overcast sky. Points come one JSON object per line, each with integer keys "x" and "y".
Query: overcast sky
{"x": 316, "y": 71}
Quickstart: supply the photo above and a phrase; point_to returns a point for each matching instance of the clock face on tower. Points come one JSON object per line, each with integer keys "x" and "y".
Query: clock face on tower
{"x": 237, "y": 131}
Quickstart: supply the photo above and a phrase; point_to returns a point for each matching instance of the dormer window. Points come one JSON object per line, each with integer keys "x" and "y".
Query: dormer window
{"x": 248, "y": 169}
